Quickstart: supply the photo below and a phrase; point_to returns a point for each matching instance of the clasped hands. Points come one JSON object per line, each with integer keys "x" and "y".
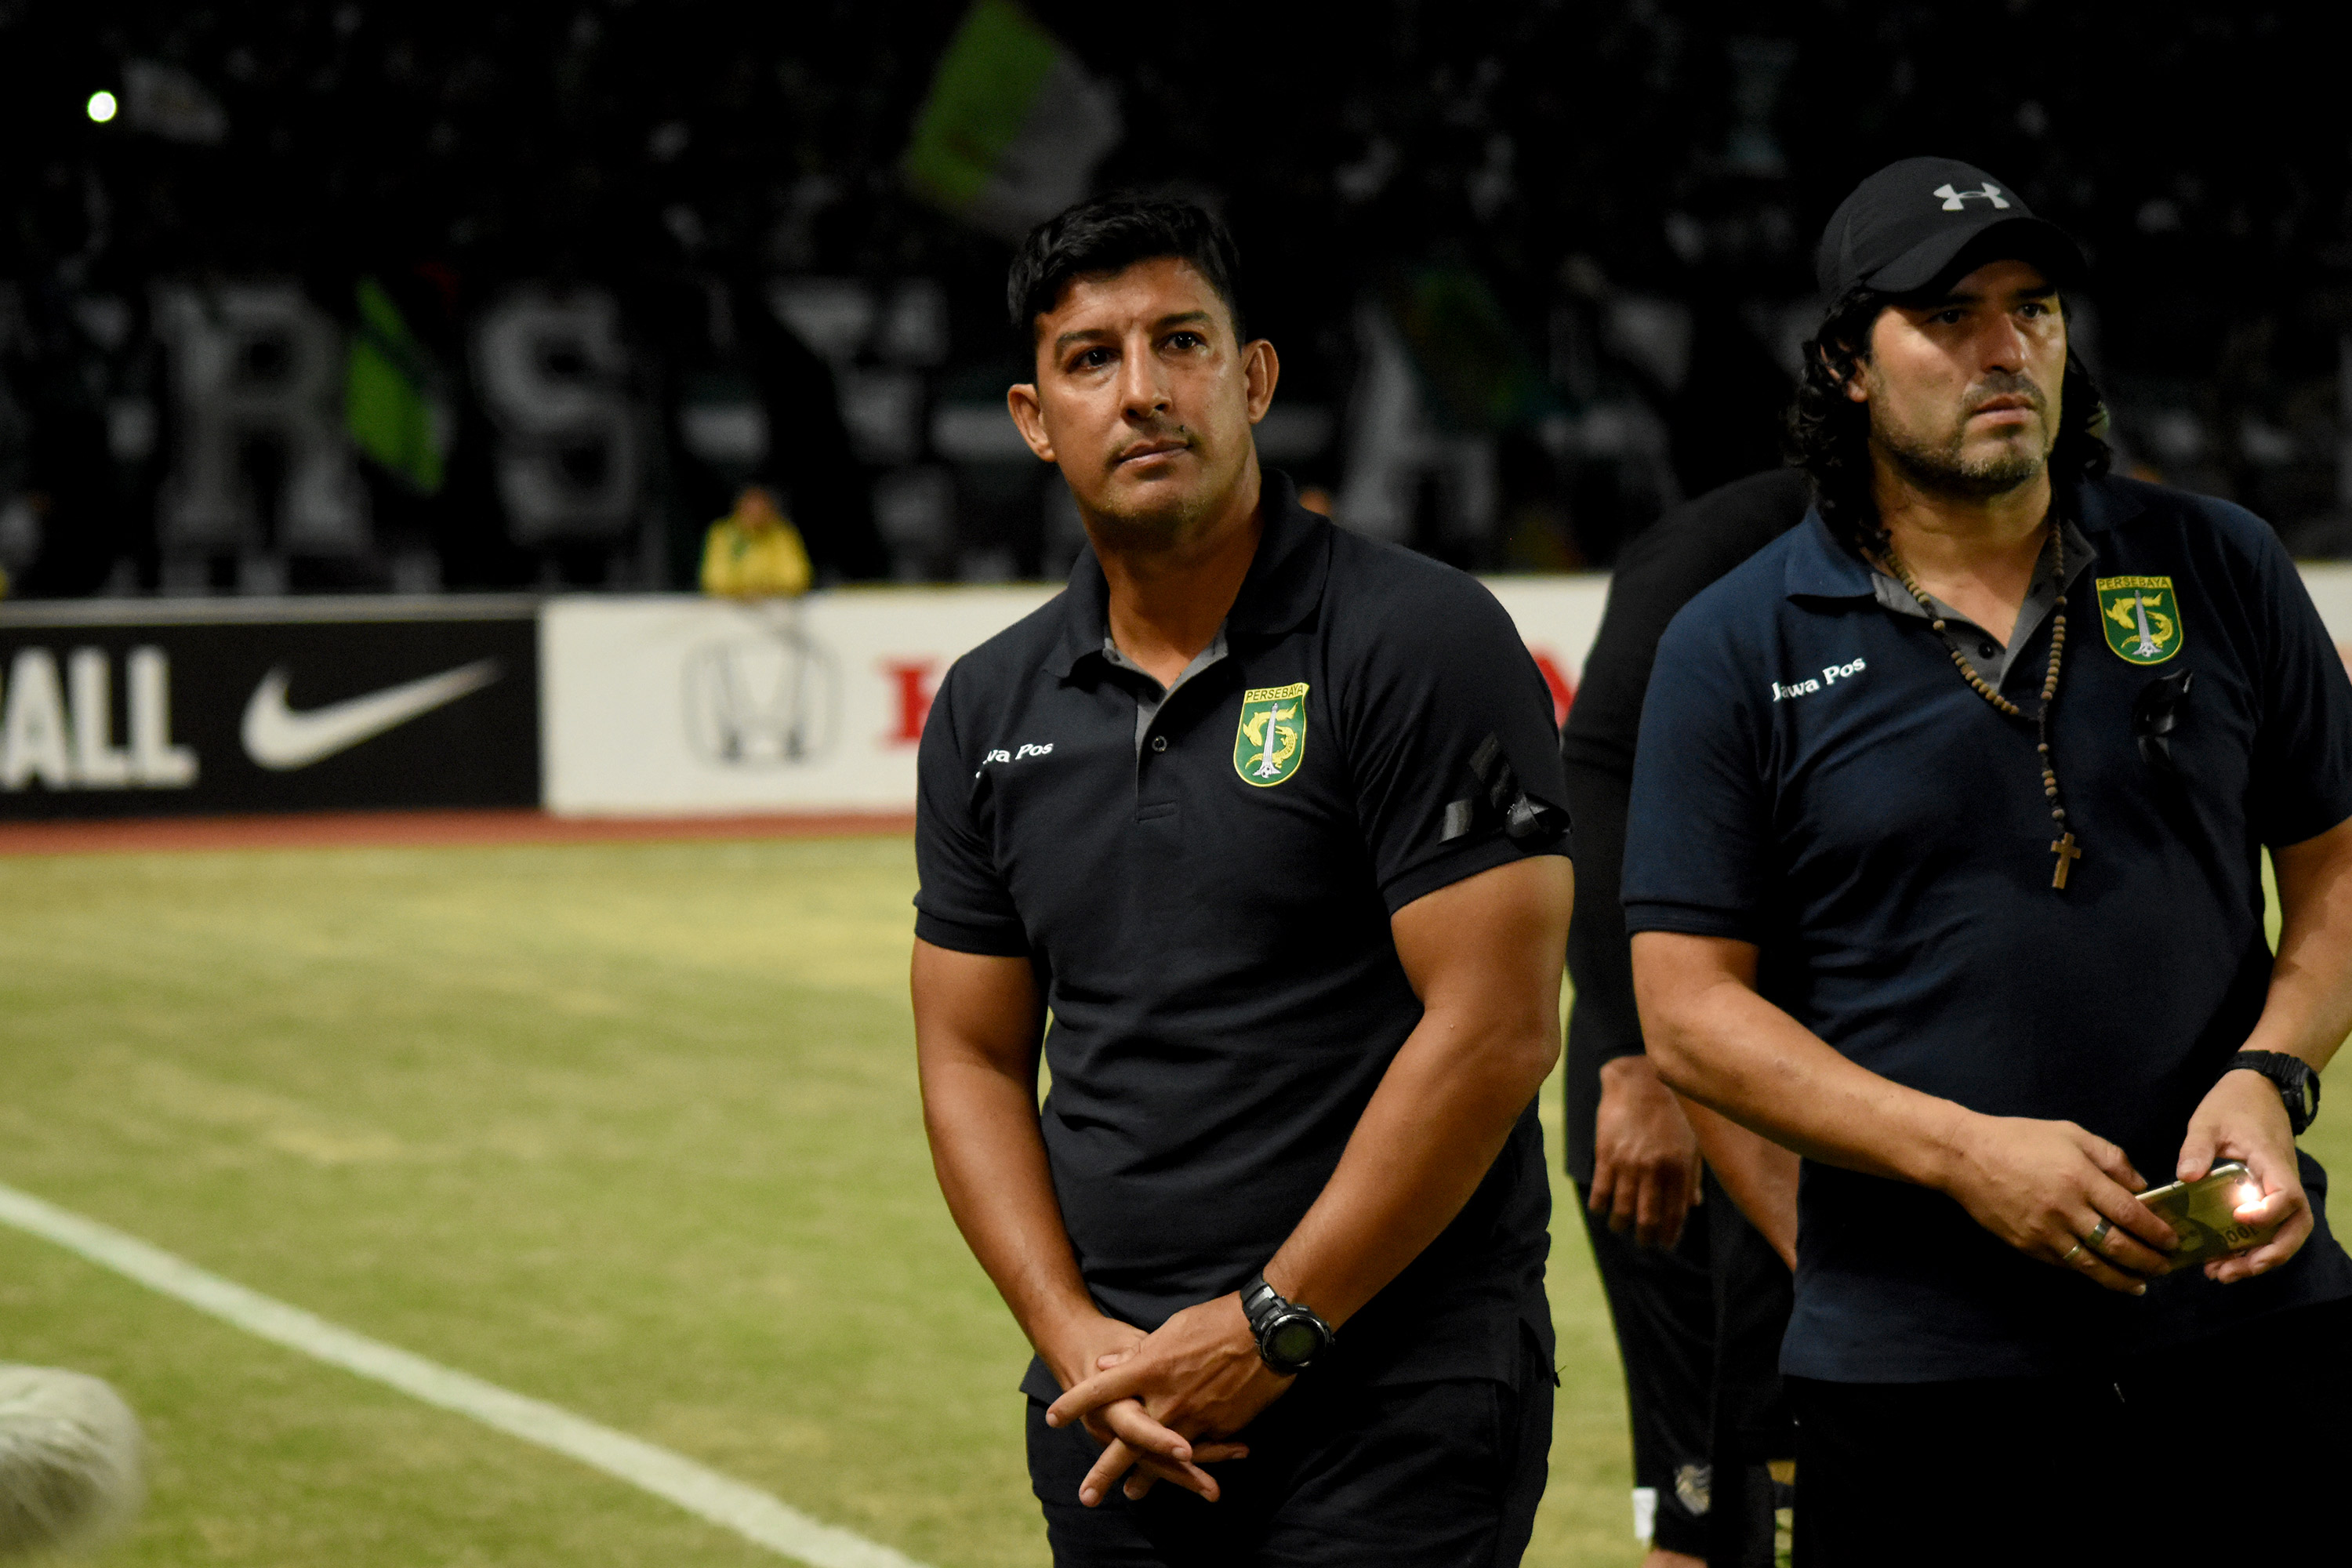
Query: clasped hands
{"x": 1166, "y": 1404}
{"x": 2063, "y": 1195}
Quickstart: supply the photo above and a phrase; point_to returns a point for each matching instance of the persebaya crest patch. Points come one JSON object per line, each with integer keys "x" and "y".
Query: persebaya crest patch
{"x": 2141, "y": 616}
{"x": 1273, "y": 734}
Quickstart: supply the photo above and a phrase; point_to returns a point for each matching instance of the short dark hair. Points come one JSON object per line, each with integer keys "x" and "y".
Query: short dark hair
{"x": 1828, "y": 433}
{"x": 1110, "y": 235}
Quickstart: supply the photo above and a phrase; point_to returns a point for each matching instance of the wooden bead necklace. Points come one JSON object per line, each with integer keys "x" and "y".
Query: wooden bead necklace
{"x": 2063, "y": 846}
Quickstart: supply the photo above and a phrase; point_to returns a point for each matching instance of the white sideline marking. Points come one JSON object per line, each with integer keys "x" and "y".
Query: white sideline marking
{"x": 750, "y": 1513}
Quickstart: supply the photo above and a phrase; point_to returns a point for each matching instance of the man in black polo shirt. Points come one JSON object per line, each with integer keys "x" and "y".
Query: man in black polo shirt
{"x": 1944, "y": 870}
{"x": 1267, "y": 817}
{"x": 1698, "y": 1295}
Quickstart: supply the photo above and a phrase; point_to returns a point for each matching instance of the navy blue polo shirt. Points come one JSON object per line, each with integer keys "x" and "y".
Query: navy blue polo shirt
{"x": 1204, "y": 890}
{"x": 1814, "y": 777}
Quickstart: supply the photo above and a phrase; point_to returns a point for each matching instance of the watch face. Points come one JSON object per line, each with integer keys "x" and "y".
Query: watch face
{"x": 1295, "y": 1340}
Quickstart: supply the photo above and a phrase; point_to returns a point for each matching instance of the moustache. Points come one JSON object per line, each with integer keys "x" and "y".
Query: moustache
{"x": 2008, "y": 383}
{"x": 1175, "y": 438}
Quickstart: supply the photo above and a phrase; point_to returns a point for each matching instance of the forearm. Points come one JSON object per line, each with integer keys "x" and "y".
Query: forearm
{"x": 1717, "y": 1042}
{"x": 1434, "y": 1127}
{"x": 2303, "y": 1017}
{"x": 2308, "y": 1009}
{"x": 990, "y": 1161}
{"x": 1760, "y": 1176}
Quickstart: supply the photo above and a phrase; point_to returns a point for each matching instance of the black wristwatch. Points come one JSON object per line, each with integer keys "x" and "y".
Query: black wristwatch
{"x": 2298, "y": 1084}
{"x": 1290, "y": 1336}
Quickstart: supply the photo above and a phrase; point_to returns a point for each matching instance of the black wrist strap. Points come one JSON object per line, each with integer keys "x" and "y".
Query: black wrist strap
{"x": 1260, "y": 1301}
{"x": 2298, "y": 1086}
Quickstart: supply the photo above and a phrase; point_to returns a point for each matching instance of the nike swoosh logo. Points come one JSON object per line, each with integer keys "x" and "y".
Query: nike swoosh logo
{"x": 279, "y": 737}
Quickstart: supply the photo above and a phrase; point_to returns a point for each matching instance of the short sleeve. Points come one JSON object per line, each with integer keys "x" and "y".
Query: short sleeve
{"x": 963, "y": 903}
{"x": 2302, "y": 766}
{"x": 1451, "y": 742}
{"x": 1698, "y": 838}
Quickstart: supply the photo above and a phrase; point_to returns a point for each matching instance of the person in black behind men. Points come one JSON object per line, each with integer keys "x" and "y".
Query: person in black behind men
{"x": 1698, "y": 1308}
{"x": 1267, "y": 816}
{"x": 1943, "y": 869}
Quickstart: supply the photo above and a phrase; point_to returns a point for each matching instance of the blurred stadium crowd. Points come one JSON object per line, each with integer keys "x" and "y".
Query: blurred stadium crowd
{"x": 302, "y": 295}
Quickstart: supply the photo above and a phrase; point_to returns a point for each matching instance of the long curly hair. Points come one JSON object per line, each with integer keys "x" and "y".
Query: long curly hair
{"x": 1828, "y": 433}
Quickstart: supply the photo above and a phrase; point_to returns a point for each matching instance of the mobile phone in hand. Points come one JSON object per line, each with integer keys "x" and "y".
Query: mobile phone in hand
{"x": 2203, "y": 1214}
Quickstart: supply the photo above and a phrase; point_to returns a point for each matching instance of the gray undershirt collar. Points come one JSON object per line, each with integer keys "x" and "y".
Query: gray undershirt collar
{"x": 1150, "y": 695}
{"x": 1985, "y": 653}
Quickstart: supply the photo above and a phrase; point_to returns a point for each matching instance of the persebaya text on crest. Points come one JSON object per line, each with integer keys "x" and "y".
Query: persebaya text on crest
{"x": 2141, "y": 616}
{"x": 1273, "y": 734}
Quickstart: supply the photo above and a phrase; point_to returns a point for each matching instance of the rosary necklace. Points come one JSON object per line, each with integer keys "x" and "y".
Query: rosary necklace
{"x": 2064, "y": 845}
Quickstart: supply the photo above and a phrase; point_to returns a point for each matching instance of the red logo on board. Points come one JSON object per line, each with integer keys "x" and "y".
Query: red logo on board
{"x": 911, "y": 688}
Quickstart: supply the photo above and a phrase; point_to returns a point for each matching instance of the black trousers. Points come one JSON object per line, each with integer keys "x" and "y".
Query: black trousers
{"x": 2233, "y": 1449}
{"x": 1698, "y": 1329}
{"x": 1433, "y": 1475}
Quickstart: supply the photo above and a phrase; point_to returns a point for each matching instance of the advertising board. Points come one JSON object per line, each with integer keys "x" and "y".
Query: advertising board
{"x": 590, "y": 705}
{"x": 173, "y": 708}
{"x": 663, "y": 705}
{"x": 2330, "y": 586}
{"x": 676, "y": 706}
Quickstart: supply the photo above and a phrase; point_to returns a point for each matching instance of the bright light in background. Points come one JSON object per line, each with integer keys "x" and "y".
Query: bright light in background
{"x": 101, "y": 106}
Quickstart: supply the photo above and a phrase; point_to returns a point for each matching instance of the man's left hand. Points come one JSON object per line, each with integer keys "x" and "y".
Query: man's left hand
{"x": 2242, "y": 1117}
{"x": 1197, "y": 1375}
{"x": 1646, "y": 1157}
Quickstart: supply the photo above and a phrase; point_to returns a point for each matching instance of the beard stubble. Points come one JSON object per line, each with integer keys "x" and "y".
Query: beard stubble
{"x": 1940, "y": 464}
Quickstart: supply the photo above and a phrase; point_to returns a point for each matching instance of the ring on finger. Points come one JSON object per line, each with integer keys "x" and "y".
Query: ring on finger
{"x": 2073, "y": 1252}
{"x": 2098, "y": 1233}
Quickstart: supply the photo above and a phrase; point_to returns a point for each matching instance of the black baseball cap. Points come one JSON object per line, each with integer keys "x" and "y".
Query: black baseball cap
{"x": 1921, "y": 221}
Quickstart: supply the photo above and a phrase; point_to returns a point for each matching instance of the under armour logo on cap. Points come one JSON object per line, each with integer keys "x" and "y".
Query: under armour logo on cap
{"x": 1953, "y": 199}
{"x": 1883, "y": 236}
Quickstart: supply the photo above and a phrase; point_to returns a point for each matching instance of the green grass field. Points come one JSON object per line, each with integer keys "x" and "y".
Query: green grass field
{"x": 630, "y": 1128}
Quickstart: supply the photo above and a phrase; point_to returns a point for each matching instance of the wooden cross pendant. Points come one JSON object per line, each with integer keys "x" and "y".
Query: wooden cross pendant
{"x": 2064, "y": 847}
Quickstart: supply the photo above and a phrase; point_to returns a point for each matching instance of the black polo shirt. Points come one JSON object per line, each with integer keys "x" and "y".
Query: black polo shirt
{"x": 1205, "y": 892}
{"x": 1814, "y": 777}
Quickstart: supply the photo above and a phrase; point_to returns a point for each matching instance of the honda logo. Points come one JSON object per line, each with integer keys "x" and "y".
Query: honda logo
{"x": 763, "y": 702}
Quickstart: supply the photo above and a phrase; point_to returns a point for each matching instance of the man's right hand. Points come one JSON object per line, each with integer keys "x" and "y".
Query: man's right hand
{"x": 2045, "y": 1186}
{"x": 1645, "y": 1157}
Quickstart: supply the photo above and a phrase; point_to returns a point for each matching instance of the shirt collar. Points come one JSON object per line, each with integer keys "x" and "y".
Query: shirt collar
{"x": 2081, "y": 555}
{"x": 1819, "y": 567}
{"x": 1283, "y": 585}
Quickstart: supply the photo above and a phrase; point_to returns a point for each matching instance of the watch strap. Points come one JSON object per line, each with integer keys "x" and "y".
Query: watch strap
{"x": 2298, "y": 1084}
{"x": 1260, "y": 1302}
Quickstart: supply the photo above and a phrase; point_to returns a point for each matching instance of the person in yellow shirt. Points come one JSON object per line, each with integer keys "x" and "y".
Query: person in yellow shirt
{"x": 754, "y": 552}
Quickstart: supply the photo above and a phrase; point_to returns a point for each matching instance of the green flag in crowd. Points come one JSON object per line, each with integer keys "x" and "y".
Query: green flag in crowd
{"x": 1014, "y": 126}
{"x": 1479, "y": 372}
{"x": 388, "y": 386}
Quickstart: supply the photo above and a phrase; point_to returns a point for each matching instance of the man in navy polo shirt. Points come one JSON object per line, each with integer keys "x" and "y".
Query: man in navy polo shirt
{"x": 1268, "y": 818}
{"x": 1944, "y": 870}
